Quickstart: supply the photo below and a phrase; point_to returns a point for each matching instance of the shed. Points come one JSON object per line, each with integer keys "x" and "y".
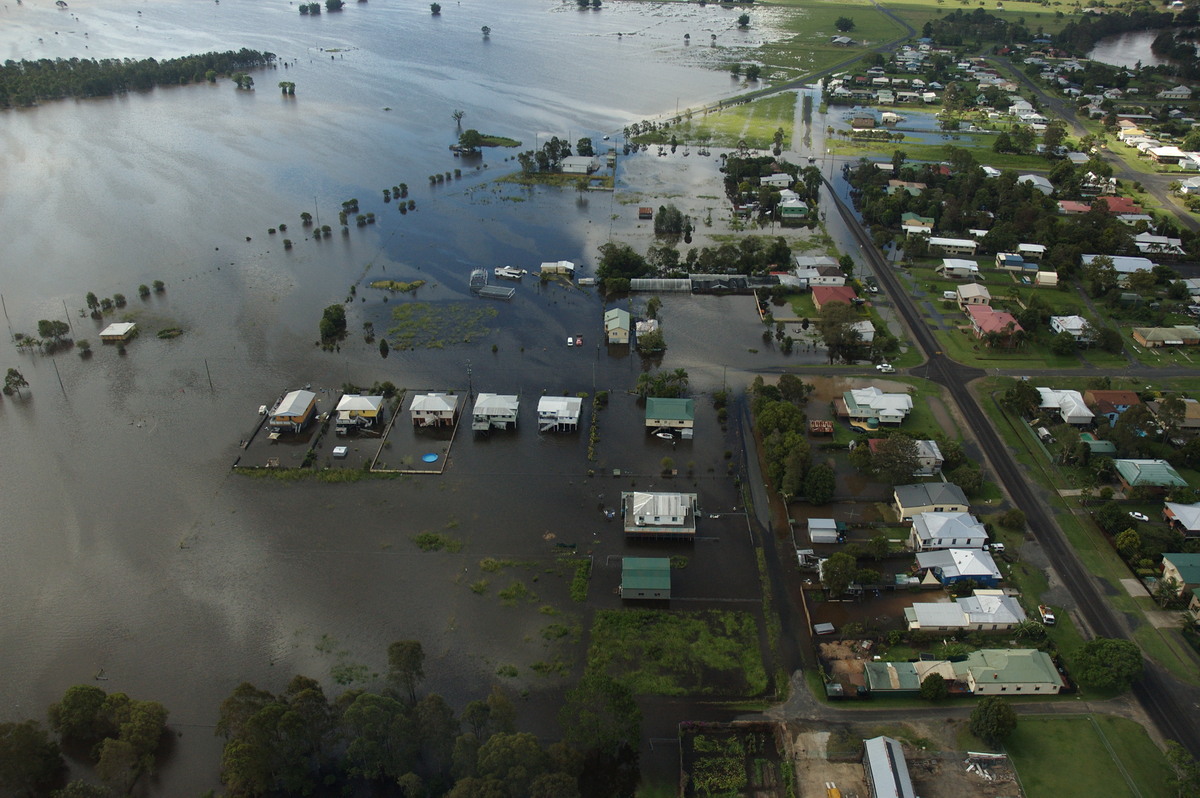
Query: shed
{"x": 579, "y": 164}
{"x": 671, "y": 414}
{"x": 616, "y": 326}
{"x": 886, "y": 770}
{"x": 823, "y": 530}
{"x": 645, "y": 578}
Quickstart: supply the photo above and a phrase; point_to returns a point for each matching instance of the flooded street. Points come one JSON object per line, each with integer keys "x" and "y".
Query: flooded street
{"x": 131, "y": 553}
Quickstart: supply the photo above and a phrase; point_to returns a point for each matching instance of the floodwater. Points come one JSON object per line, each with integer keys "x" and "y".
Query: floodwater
{"x": 1127, "y": 49}
{"x": 131, "y": 554}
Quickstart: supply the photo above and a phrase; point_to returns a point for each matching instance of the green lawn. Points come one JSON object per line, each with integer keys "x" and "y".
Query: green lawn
{"x": 1078, "y": 756}
{"x": 680, "y": 653}
{"x": 808, "y": 50}
{"x": 918, "y": 12}
{"x": 979, "y": 145}
{"x": 754, "y": 122}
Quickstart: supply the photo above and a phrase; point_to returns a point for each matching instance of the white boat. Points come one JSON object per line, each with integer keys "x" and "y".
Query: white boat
{"x": 509, "y": 272}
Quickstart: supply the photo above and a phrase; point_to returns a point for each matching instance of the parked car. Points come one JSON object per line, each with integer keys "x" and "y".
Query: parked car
{"x": 1138, "y": 516}
{"x": 885, "y": 368}
{"x": 996, "y": 547}
{"x": 570, "y": 341}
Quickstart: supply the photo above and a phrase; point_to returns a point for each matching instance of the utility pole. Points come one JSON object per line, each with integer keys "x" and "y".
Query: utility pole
{"x": 209, "y": 373}
{"x": 56, "y": 374}
{"x": 317, "y": 210}
{"x": 70, "y": 323}
{"x": 470, "y": 383}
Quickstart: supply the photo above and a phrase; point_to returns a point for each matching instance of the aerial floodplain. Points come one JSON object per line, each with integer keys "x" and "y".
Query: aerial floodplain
{"x": 569, "y": 399}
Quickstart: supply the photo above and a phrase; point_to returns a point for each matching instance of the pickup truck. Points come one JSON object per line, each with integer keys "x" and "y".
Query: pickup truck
{"x": 1047, "y": 614}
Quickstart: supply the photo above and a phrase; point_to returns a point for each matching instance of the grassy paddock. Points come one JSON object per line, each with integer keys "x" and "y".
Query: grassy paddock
{"x": 755, "y": 122}
{"x": 1087, "y": 756}
{"x": 808, "y": 49}
{"x": 680, "y": 653}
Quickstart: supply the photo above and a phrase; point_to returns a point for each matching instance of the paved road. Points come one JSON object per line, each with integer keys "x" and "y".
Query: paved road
{"x": 1170, "y": 703}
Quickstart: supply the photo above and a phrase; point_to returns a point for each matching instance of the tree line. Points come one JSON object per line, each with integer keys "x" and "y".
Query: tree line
{"x": 27, "y": 82}
{"x": 393, "y": 742}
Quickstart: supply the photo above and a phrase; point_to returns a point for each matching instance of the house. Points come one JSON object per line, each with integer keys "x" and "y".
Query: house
{"x": 1155, "y": 337}
{"x": 929, "y": 456}
{"x": 871, "y": 406}
{"x": 1031, "y": 251}
{"x": 958, "y": 268}
{"x": 955, "y": 565}
{"x": 664, "y": 414}
{"x": 1010, "y": 262}
{"x": 616, "y": 326}
{"x": 1045, "y": 278}
{"x": 1177, "y": 93}
{"x": 820, "y": 275}
{"x": 1167, "y": 154}
{"x": 293, "y": 412}
{"x": 579, "y": 164}
{"x": 645, "y": 212}
{"x": 841, "y": 41}
{"x": 1073, "y": 207}
{"x": 865, "y": 330}
{"x": 1184, "y": 569}
{"x": 1110, "y": 404}
{"x": 358, "y": 412}
{"x": 564, "y": 267}
{"x": 1163, "y": 246}
{"x": 955, "y": 530}
{"x": 1075, "y": 326}
{"x": 118, "y": 331}
{"x": 1098, "y": 445}
{"x": 824, "y": 530}
{"x": 822, "y": 295}
{"x": 1069, "y": 404}
{"x": 862, "y": 122}
{"x": 793, "y": 210}
{"x": 993, "y": 671}
{"x": 972, "y": 294}
{"x": 559, "y": 413}
{"x": 434, "y": 410}
{"x": 914, "y": 189}
{"x": 915, "y": 223}
{"x": 983, "y": 611}
{"x": 929, "y": 497}
{"x": 493, "y": 411}
{"x": 904, "y": 677}
{"x": 646, "y": 326}
{"x": 885, "y": 769}
{"x": 1118, "y": 205}
{"x": 777, "y": 180}
{"x": 954, "y": 246}
{"x": 1153, "y": 475}
{"x": 646, "y": 578}
{"x": 987, "y": 321}
{"x": 1183, "y": 517}
{"x": 661, "y": 515}
{"x": 1042, "y": 184}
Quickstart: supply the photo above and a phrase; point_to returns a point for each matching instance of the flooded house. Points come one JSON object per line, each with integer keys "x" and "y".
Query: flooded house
{"x": 670, "y": 415}
{"x": 559, "y": 413}
{"x": 616, "y": 326}
{"x": 434, "y": 410}
{"x": 659, "y": 515}
{"x": 294, "y": 411}
{"x": 494, "y": 411}
{"x": 358, "y": 412}
{"x": 118, "y": 331}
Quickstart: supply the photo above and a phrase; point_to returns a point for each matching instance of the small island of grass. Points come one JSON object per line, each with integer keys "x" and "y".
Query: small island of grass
{"x": 397, "y": 285}
{"x": 170, "y": 332}
{"x": 471, "y": 140}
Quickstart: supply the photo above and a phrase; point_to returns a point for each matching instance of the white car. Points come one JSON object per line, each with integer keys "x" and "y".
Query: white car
{"x": 1139, "y": 516}
{"x": 886, "y": 368}
{"x": 570, "y": 341}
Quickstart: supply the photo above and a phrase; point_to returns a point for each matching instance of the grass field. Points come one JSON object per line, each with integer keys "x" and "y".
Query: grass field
{"x": 1037, "y": 17}
{"x": 755, "y": 123}
{"x": 1102, "y": 755}
{"x": 980, "y": 147}
{"x": 680, "y": 653}
{"x": 808, "y": 49}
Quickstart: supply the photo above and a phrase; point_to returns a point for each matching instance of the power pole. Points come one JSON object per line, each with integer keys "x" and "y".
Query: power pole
{"x": 70, "y": 323}
{"x": 209, "y": 373}
{"x": 56, "y": 374}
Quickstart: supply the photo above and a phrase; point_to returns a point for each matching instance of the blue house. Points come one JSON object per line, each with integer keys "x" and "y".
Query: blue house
{"x": 954, "y": 565}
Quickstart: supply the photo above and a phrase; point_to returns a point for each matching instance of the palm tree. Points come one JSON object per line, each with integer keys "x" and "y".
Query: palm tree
{"x": 680, "y": 378}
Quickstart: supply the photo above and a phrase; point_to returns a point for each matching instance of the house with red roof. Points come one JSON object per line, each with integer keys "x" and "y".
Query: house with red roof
{"x": 1073, "y": 207}
{"x": 1119, "y": 204}
{"x": 986, "y": 320}
{"x": 824, "y": 294}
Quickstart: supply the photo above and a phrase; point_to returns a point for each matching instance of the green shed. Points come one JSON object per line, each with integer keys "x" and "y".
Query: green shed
{"x": 646, "y": 578}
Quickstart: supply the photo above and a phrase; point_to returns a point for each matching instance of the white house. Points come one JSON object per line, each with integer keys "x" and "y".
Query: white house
{"x": 559, "y": 413}
{"x": 434, "y": 410}
{"x": 1177, "y": 93}
{"x": 958, "y": 268}
{"x": 932, "y": 531}
{"x": 973, "y": 294}
{"x": 1042, "y": 184}
{"x": 984, "y": 611}
{"x": 354, "y": 411}
{"x": 1123, "y": 264}
{"x": 580, "y": 164}
{"x": 1069, "y": 404}
{"x": 929, "y": 459}
{"x": 865, "y": 330}
{"x": 1150, "y": 244}
{"x": 1031, "y": 251}
{"x": 872, "y": 404}
{"x": 955, "y": 565}
{"x": 954, "y": 246}
{"x": 493, "y": 411}
{"x": 1077, "y": 326}
{"x": 777, "y": 180}
{"x": 559, "y": 267}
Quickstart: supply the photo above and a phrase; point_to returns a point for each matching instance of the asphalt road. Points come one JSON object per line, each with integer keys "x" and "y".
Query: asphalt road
{"x": 1171, "y": 704}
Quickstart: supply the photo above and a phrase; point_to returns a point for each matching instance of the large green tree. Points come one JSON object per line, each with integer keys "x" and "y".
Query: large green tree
{"x": 993, "y": 720}
{"x": 406, "y": 666}
{"x": 29, "y": 759}
{"x": 842, "y": 341}
{"x": 838, "y": 572}
{"x": 1108, "y": 663}
{"x": 601, "y": 714}
{"x": 895, "y": 459}
{"x": 819, "y": 484}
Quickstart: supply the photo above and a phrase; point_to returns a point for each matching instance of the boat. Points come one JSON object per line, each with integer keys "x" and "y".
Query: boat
{"x": 509, "y": 272}
{"x": 666, "y": 436}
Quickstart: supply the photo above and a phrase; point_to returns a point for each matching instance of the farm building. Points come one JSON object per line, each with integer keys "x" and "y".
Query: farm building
{"x": 118, "y": 331}
{"x": 645, "y": 578}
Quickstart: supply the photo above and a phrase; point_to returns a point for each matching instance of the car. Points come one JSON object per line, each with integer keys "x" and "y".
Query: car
{"x": 996, "y": 547}
{"x": 578, "y": 340}
{"x": 570, "y": 341}
{"x": 885, "y": 368}
{"x": 1138, "y": 516}
{"x": 874, "y": 289}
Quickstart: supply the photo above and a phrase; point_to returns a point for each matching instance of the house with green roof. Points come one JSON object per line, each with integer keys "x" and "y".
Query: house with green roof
{"x": 998, "y": 671}
{"x": 912, "y": 223}
{"x": 669, "y": 415}
{"x": 1153, "y": 474}
{"x": 645, "y": 578}
{"x": 617, "y": 325}
{"x": 1184, "y": 569}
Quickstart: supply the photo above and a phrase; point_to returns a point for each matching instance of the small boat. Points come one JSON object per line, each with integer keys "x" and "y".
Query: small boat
{"x": 509, "y": 272}
{"x": 666, "y": 436}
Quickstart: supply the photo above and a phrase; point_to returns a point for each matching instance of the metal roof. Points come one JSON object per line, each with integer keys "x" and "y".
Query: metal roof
{"x": 670, "y": 409}
{"x": 645, "y": 573}
{"x": 886, "y": 768}
{"x": 295, "y": 403}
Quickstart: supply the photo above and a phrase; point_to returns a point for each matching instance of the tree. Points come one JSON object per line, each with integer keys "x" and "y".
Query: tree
{"x": 435, "y": 9}
{"x": 968, "y": 477}
{"x": 334, "y": 5}
{"x": 837, "y": 573}
{"x": 406, "y": 666}
{"x": 1129, "y": 545}
{"x": 380, "y": 737}
{"x": 842, "y": 341}
{"x": 470, "y": 141}
{"x": 77, "y": 717}
{"x": 486, "y": 31}
{"x": 601, "y": 714}
{"x": 29, "y": 760}
{"x": 844, "y": 24}
{"x": 993, "y": 720}
{"x": 819, "y": 484}
{"x": 584, "y": 147}
{"x": 1063, "y": 344}
{"x": 1185, "y": 776}
{"x": 753, "y": 72}
{"x": 52, "y": 328}
{"x": 333, "y": 323}
{"x": 92, "y": 302}
{"x": 743, "y": 21}
{"x": 879, "y": 546}
{"x": 934, "y": 687}
{"x": 514, "y": 759}
{"x": 895, "y": 459}
{"x": 1108, "y": 663}
{"x": 620, "y": 261}
{"x": 81, "y": 789}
